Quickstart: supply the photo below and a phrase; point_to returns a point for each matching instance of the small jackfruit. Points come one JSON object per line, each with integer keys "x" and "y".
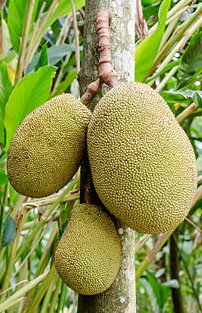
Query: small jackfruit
{"x": 88, "y": 255}
{"x": 47, "y": 147}
{"x": 142, "y": 163}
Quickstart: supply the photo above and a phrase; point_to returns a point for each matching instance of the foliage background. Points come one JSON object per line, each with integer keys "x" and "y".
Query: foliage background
{"x": 41, "y": 50}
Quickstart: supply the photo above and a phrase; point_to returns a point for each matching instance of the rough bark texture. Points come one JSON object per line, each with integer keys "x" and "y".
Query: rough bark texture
{"x": 120, "y": 297}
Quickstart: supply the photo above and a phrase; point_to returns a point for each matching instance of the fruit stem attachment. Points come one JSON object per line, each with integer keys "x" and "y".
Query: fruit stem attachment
{"x": 106, "y": 73}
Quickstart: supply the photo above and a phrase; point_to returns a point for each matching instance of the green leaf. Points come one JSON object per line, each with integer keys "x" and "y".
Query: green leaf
{"x": 192, "y": 58}
{"x": 5, "y": 91}
{"x": 160, "y": 292}
{"x": 16, "y": 20}
{"x": 163, "y": 71}
{"x": 64, "y": 7}
{"x": 147, "y": 50}
{"x": 9, "y": 231}
{"x": 31, "y": 91}
{"x": 43, "y": 58}
{"x": 3, "y": 177}
{"x": 57, "y": 53}
{"x": 6, "y": 42}
{"x": 64, "y": 85}
{"x": 62, "y": 229}
{"x": 187, "y": 95}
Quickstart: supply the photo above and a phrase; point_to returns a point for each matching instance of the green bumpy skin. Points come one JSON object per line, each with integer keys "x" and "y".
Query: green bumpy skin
{"x": 88, "y": 255}
{"x": 48, "y": 146}
{"x": 142, "y": 163}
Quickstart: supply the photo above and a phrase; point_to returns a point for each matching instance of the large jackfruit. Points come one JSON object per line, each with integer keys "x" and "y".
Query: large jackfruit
{"x": 48, "y": 146}
{"x": 143, "y": 165}
{"x": 88, "y": 255}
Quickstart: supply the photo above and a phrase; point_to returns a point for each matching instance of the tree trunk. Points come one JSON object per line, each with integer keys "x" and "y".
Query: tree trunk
{"x": 174, "y": 274}
{"x": 120, "y": 297}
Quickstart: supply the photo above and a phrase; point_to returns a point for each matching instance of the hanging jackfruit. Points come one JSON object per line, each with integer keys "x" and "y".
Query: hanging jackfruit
{"x": 142, "y": 163}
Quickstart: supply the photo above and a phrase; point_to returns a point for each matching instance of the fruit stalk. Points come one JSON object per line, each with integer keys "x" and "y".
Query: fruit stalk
{"x": 106, "y": 71}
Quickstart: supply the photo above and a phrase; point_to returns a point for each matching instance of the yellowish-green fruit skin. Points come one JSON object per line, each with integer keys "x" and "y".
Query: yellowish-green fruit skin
{"x": 47, "y": 147}
{"x": 88, "y": 255}
{"x": 142, "y": 163}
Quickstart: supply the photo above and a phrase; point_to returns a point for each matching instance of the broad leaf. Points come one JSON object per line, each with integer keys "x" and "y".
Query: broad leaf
{"x": 16, "y": 20}
{"x": 160, "y": 292}
{"x": 3, "y": 177}
{"x": 187, "y": 95}
{"x": 6, "y": 43}
{"x": 9, "y": 231}
{"x": 57, "y": 53}
{"x": 147, "y": 50}
{"x": 31, "y": 91}
{"x": 5, "y": 91}
{"x": 43, "y": 58}
{"x": 64, "y": 7}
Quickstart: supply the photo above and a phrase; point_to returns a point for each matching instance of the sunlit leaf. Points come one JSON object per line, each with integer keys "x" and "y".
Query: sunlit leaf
{"x": 6, "y": 43}
{"x": 5, "y": 91}
{"x": 160, "y": 292}
{"x": 183, "y": 96}
{"x": 64, "y": 7}
{"x": 31, "y": 91}
{"x": 3, "y": 177}
{"x": 16, "y": 20}
{"x": 147, "y": 50}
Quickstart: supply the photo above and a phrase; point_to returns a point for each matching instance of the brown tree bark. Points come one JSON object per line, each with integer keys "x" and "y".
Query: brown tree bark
{"x": 120, "y": 297}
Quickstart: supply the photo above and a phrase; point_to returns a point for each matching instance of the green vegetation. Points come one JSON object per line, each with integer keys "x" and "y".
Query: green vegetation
{"x": 38, "y": 62}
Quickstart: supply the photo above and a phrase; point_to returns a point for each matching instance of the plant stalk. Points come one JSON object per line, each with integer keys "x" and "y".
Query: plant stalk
{"x": 24, "y": 41}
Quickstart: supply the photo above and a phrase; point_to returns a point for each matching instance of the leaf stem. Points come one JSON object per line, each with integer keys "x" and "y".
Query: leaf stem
{"x": 62, "y": 298}
{"x": 76, "y": 37}
{"x": 2, "y": 211}
{"x": 182, "y": 33}
{"x": 11, "y": 260}
{"x": 167, "y": 77}
{"x": 38, "y": 32}
{"x": 17, "y": 296}
{"x": 189, "y": 276}
{"x": 55, "y": 295}
{"x": 23, "y": 43}
{"x": 183, "y": 115}
{"x": 40, "y": 291}
{"x": 150, "y": 257}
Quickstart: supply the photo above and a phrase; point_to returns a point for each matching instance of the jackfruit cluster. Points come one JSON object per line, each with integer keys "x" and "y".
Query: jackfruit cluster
{"x": 48, "y": 146}
{"x": 142, "y": 163}
{"x": 88, "y": 255}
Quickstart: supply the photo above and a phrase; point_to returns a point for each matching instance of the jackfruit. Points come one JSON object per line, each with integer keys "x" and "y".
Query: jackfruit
{"x": 47, "y": 147}
{"x": 142, "y": 163}
{"x": 88, "y": 255}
